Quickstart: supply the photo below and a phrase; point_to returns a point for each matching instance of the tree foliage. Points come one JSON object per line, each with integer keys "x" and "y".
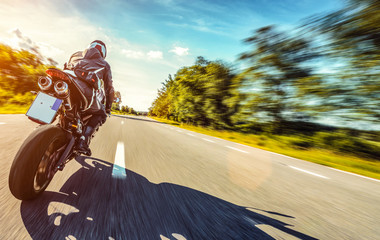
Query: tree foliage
{"x": 19, "y": 72}
{"x": 278, "y": 74}
{"x": 205, "y": 93}
{"x": 282, "y": 82}
{"x": 353, "y": 39}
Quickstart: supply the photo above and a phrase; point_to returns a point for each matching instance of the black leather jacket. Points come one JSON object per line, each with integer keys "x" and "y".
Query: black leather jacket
{"x": 91, "y": 60}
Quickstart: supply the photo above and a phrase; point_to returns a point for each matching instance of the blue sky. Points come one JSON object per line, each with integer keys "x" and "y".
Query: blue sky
{"x": 147, "y": 39}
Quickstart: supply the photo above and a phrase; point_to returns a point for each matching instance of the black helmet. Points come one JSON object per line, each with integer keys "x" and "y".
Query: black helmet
{"x": 100, "y": 46}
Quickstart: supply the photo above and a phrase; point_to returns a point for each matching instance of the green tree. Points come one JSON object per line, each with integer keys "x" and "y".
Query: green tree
{"x": 205, "y": 94}
{"x": 161, "y": 106}
{"x": 276, "y": 73}
{"x": 117, "y": 101}
{"x": 19, "y": 73}
{"x": 352, "y": 38}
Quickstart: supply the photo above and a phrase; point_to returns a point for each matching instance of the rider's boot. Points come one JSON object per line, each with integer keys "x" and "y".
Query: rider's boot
{"x": 83, "y": 147}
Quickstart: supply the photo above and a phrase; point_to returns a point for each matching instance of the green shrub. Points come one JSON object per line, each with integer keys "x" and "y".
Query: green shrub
{"x": 5, "y": 96}
{"x": 22, "y": 99}
{"x": 340, "y": 142}
{"x": 302, "y": 143}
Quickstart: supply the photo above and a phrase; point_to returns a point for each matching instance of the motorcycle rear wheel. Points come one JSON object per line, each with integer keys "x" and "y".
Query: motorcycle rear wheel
{"x": 32, "y": 168}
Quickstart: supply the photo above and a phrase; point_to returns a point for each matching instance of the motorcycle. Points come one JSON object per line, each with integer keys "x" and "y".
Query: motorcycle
{"x": 50, "y": 147}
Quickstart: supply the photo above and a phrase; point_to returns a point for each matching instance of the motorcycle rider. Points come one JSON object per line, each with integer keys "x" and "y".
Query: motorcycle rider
{"x": 92, "y": 60}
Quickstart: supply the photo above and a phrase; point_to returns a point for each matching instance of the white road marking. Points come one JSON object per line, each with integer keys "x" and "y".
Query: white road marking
{"x": 305, "y": 171}
{"x": 178, "y": 236}
{"x": 70, "y": 237}
{"x": 190, "y": 134}
{"x": 281, "y": 155}
{"x": 1, "y": 123}
{"x": 118, "y": 170}
{"x": 278, "y": 154}
{"x": 122, "y": 122}
{"x": 236, "y": 149}
{"x": 373, "y": 179}
{"x": 163, "y": 237}
{"x": 242, "y": 144}
{"x": 57, "y": 220}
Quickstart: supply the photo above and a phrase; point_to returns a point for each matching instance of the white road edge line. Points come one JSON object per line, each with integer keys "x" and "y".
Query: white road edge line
{"x": 282, "y": 155}
{"x": 118, "y": 170}
{"x": 236, "y": 149}
{"x": 305, "y": 171}
{"x": 241, "y": 144}
{"x": 338, "y": 170}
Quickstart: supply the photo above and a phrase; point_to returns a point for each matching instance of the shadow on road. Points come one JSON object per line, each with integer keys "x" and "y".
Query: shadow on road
{"x": 94, "y": 204}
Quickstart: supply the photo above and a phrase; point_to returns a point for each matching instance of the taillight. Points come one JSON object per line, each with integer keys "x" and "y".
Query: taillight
{"x": 55, "y": 73}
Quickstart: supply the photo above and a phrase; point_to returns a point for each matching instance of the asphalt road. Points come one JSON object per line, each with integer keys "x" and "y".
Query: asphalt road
{"x": 148, "y": 180}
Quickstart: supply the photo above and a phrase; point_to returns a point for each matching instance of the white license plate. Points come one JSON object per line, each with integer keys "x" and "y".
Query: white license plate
{"x": 44, "y": 108}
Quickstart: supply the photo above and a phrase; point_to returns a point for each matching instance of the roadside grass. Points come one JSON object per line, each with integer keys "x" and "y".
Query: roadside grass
{"x": 13, "y": 109}
{"x": 117, "y": 112}
{"x": 282, "y": 145}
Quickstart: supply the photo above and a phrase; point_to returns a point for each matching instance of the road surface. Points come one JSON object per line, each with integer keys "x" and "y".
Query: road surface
{"x": 149, "y": 180}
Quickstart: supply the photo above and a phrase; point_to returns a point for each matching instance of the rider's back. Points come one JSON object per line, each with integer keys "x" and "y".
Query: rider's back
{"x": 91, "y": 60}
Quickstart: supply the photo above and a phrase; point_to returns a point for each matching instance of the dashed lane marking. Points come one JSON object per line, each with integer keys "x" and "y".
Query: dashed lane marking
{"x": 208, "y": 140}
{"x": 1, "y": 123}
{"x": 236, "y": 149}
{"x": 190, "y": 134}
{"x": 376, "y": 180}
{"x": 308, "y": 172}
{"x": 118, "y": 170}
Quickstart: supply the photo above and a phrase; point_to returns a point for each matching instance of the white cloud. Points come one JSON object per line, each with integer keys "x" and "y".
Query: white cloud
{"x": 180, "y": 51}
{"x": 49, "y": 50}
{"x": 133, "y": 54}
{"x": 41, "y": 49}
{"x": 155, "y": 55}
{"x": 137, "y": 81}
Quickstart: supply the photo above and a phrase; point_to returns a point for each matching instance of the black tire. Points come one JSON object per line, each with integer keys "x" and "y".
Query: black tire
{"x": 28, "y": 176}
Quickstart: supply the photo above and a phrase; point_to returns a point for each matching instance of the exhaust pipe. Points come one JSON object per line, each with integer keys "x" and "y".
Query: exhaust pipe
{"x": 62, "y": 89}
{"x": 45, "y": 83}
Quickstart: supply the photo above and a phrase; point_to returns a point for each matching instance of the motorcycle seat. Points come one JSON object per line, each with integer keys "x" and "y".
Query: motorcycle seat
{"x": 86, "y": 94}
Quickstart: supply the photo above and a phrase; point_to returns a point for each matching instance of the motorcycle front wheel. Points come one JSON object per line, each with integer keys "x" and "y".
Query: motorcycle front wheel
{"x": 33, "y": 166}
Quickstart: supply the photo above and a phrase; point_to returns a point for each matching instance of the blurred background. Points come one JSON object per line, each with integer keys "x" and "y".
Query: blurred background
{"x": 307, "y": 87}
{"x": 315, "y": 86}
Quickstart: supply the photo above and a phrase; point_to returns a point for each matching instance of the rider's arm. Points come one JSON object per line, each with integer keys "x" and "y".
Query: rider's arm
{"x": 74, "y": 59}
{"x": 108, "y": 88}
